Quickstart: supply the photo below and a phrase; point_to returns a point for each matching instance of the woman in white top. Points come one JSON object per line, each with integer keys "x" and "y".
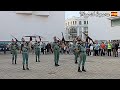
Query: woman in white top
{"x": 91, "y": 49}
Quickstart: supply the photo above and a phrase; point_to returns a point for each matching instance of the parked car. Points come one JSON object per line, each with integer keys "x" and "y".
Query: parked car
{"x": 4, "y": 48}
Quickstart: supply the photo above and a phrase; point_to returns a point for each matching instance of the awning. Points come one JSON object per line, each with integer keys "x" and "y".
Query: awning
{"x": 114, "y": 18}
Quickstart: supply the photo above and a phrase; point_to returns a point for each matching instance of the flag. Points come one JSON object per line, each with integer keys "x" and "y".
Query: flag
{"x": 31, "y": 38}
{"x": 63, "y": 39}
{"x": 114, "y": 13}
{"x": 40, "y": 38}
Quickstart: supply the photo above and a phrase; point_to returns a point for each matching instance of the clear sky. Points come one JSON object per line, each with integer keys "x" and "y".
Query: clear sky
{"x": 69, "y": 14}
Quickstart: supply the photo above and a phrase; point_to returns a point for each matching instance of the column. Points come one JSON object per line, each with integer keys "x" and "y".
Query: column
{"x": 67, "y": 34}
{"x": 78, "y": 31}
{"x": 83, "y": 36}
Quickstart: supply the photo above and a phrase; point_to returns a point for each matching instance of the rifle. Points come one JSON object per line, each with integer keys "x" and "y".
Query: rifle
{"x": 16, "y": 41}
{"x": 40, "y": 38}
{"x": 15, "y": 38}
{"x": 59, "y": 39}
{"x": 88, "y": 37}
{"x": 63, "y": 39}
{"x": 78, "y": 39}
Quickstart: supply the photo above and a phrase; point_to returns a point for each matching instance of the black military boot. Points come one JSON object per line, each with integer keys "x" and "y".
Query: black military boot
{"x": 27, "y": 67}
{"x": 58, "y": 65}
{"x": 15, "y": 62}
{"x": 23, "y": 67}
{"x": 76, "y": 62}
{"x": 83, "y": 69}
{"x": 55, "y": 64}
{"x": 36, "y": 60}
{"x": 79, "y": 69}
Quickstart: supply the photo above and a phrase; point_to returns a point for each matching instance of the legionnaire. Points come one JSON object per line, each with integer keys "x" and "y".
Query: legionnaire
{"x": 14, "y": 48}
{"x": 82, "y": 51}
{"x": 25, "y": 51}
{"x": 56, "y": 50}
{"x": 37, "y": 50}
{"x": 22, "y": 43}
{"x": 75, "y": 50}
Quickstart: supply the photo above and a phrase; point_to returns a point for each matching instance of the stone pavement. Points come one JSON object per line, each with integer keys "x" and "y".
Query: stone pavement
{"x": 97, "y": 68}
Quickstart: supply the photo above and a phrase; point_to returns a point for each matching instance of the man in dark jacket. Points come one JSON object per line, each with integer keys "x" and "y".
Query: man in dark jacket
{"x": 116, "y": 47}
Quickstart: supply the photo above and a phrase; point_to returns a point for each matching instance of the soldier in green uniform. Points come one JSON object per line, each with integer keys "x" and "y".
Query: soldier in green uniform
{"x": 14, "y": 48}
{"x": 37, "y": 51}
{"x": 82, "y": 51}
{"x": 75, "y": 48}
{"x": 56, "y": 50}
{"x": 25, "y": 51}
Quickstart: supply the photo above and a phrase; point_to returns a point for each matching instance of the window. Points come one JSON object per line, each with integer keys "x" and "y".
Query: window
{"x": 87, "y": 22}
{"x": 115, "y": 22}
{"x": 69, "y": 37}
{"x": 85, "y": 28}
{"x": 68, "y": 23}
{"x": 75, "y": 22}
{"x": 84, "y": 22}
{"x": 80, "y": 23}
{"x": 73, "y": 30}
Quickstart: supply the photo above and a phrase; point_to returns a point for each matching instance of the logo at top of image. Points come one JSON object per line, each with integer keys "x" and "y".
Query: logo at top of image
{"x": 114, "y": 13}
{"x": 94, "y": 14}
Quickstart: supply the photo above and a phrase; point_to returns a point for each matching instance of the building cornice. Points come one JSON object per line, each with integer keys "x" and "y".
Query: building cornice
{"x": 114, "y": 18}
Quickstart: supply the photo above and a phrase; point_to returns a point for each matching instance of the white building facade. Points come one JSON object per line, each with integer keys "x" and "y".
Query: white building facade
{"x": 103, "y": 26}
{"x": 21, "y": 23}
{"x": 74, "y": 27}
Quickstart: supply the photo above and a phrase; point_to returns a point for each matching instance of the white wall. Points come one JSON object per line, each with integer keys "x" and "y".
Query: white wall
{"x": 115, "y": 32}
{"x": 99, "y": 28}
{"x": 20, "y": 25}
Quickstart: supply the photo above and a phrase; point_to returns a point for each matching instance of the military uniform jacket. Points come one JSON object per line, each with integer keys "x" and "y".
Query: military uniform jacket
{"x": 37, "y": 47}
{"x": 25, "y": 49}
{"x": 56, "y": 47}
{"x": 14, "y": 47}
{"x": 75, "y": 47}
{"x": 82, "y": 48}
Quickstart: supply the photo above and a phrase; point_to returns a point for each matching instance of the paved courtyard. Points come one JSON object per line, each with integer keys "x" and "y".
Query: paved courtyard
{"x": 97, "y": 68}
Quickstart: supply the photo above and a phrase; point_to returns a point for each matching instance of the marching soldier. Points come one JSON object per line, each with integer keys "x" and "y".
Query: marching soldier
{"x": 82, "y": 51}
{"x": 22, "y": 44}
{"x": 75, "y": 50}
{"x": 37, "y": 50}
{"x": 14, "y": 48}
{"x": 56, "y": 51}
{"x": 25, "y": 50}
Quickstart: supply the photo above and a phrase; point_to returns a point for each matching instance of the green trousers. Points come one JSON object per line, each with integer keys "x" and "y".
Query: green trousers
{"x": 76, "y": 56}
{"x": 14, "y": 55}
{"x": 25, "y": 58}
{"x": 37, "y": 53}
{"x": 82, "y": 59}
{"x": 56, "y": 56}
